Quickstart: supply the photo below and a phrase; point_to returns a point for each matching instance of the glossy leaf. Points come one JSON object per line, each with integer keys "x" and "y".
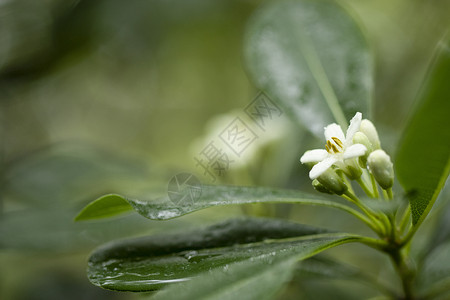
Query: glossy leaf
{"x": 149, "y": 263}
{"x": 423, "y": 159}
{"x": 258, "y": 278}
{"x": 163, "y": 208}
{"x": 312, "y": 57}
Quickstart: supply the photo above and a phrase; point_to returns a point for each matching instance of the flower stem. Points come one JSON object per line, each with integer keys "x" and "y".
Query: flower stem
{"x": 405, "y": 218}
{"x": 374, "y": 186}
{"x": 364, "y": 187}
{"x": 378, "y": 227}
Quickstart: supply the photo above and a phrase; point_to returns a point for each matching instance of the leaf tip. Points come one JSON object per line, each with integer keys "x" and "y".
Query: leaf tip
{"x": 105, "y": 206}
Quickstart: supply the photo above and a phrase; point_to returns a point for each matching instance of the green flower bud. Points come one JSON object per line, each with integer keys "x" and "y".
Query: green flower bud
{"x": 352, "y": 169}
{"x": 320, "y": 187}
{"x": 381, "y": 167}
{"x": 370, "y": 131}
{"x": 332, "y": 182}
{"x": 361, "y": 138}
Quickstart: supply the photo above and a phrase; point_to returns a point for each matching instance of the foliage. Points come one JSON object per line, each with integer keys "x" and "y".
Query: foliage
{"x": 288, "y": 54}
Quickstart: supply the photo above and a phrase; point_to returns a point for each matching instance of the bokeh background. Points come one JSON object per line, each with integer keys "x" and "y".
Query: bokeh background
{"x": 118, "y": 96}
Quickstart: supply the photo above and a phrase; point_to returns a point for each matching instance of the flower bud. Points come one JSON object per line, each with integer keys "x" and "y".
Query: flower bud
{"x": 352, "y": 169}
{"x": 370, "y": 131}
{"x": 381, "y": 167}
{"x": 320, "y": 187}
{"x": 331, "y": 181}
{"x": 361, "y": 138}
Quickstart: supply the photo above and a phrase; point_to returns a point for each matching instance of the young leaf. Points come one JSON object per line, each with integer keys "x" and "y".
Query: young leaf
{"x": 312, "y": 57}
{"x": 149, "y": 263}
{"x": 423, "y": 158}
{"x": 106, "y": 206}
{"x": 163, "y": 208}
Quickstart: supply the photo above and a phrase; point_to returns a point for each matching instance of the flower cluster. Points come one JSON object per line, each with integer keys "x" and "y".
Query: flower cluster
{"x": 353, "y": 154}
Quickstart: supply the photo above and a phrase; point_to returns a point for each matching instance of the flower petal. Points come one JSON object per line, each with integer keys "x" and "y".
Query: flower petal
{"x": 321, "y": 167}
{"x": 355, "y": 123}
{"x": 334, "y": 130}
{"x": 355, "y": 150}
{"x": 314, "y": 156}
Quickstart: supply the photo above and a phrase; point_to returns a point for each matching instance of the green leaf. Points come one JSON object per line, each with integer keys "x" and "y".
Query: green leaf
{"x": 312, "y": 57}
{"x": 322, "y": 267}
{"x": 106, "y": 206}
{"x": 434, "y": 277}
{"x": 149, "y": 263}
{"x": 423, "y": 158}
{"x": 260, "y": 278}
{"x": 163, "y": 208}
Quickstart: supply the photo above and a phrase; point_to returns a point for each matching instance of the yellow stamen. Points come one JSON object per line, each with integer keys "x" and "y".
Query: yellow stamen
{"x": 335, "y": 149}
{"x": 338, "y": 142}
{"x": 328, "y": 147}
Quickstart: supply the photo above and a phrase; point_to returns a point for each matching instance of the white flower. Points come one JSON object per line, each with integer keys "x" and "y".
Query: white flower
{"x": 337, "y": 149}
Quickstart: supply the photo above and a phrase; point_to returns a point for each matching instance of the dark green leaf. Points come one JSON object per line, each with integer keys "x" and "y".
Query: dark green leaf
{"x": 163, "y": 208}
{"x": 258, "y": 278}
{"x": 423, "y": 158}
{"x": 313, "y": 58}
{"x": 149, "y": 263}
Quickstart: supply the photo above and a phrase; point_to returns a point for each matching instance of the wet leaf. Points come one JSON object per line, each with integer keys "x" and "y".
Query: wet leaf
{"x": 312, "y": 57}
{"x": 149, "y": 263}
{"x": 163, "y": 208}
{"x": 259, "y": 278}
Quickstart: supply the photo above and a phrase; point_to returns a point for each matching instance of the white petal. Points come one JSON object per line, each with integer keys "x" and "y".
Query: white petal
{"x": 355, "y": 151}
{"x": 314, "y": 156}
{"x": 355, "y": 122}
{"x": 321, "y": 167}
{"x": 334, "y": 130}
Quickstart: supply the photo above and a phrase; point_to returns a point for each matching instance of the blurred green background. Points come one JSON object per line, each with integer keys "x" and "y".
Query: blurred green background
{"x": 118, "y": 96}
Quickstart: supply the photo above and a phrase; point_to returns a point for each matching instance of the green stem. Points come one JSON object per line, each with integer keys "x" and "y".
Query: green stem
{"x": 373, "y": 243}
{"x": 393, "y": 228}
{"x": 377, "y": 226}
{"x": 405, "y": 218}
{"x": 364, "y": 187}
{"x": 404, "y": 270}
{"x": 390, "y": 195}
{"x": 409, "y": 235}
{"x": 374, "y": 186}
{"x": 347, "y": 182}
